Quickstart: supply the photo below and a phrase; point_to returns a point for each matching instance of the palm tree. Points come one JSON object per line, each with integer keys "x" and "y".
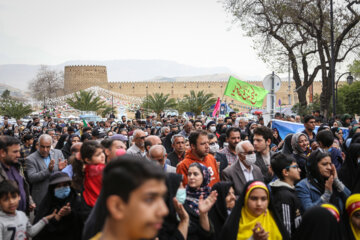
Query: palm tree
{"x": 198, "y": 102}
{"x": 15, "y": 109}
{"x": 106, "y": 111}
{"x": 86, "y": 101}
{"x": 158, "y": 102}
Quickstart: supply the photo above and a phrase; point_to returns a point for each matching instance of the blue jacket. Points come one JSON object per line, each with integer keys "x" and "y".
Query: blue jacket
{"x": 309, "y": 195}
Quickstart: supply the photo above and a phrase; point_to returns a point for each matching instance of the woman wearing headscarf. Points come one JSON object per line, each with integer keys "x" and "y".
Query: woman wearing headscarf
{"x": 176, "y": 224}
{"x": 322, "y": 184}
{"x": 352, "y": 134}
{"x": 349, "y": 173}
{"x": 338, "y": 136}
{"x": 62, "y": 198}
{"x": 276, "y": 141}
{"x": 253, "y": 216}
{"x": 351, "y": 217}
{"x": 224, "y": 204}
{"x": 287, "y": 148}
{"x": 318, "y": 223}
{"x": 73, "y": 138}
{"x": 198, "y": 202}
{"x": 300, "y": 146}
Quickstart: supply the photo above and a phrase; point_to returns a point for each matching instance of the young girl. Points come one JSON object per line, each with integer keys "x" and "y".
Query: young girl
{"x": 94, "y": 158}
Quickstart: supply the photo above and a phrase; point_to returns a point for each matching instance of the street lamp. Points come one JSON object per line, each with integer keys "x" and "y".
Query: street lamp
{"x": 349, "y": 80}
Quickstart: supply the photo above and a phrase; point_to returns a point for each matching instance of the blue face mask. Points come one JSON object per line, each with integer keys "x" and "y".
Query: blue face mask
{"x": 62, "y": 192}
{"x": 181, "y": 195}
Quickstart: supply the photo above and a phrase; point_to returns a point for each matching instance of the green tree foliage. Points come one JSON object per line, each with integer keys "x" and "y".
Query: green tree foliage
{"x": 107, "y": 110}
{"x": 86, "y": 101}
{"x": 12, "y": 107}
{"x": 349, "y": 98}
{"x": 354, "y": 68}
{"x": 298, "y": 32}
{"x": 158, "y": 102}
{"x": 196, "y": 102}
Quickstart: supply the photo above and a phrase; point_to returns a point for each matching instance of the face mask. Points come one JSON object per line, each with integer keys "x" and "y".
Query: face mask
{"x": 212, "y": 129}
{"x": 226, "y": 144}
{"x": 250, "y": 159}
{"x": 181, "y": 195}
{"x": 214, "y": 148}
{"x": 252, "y": 131}
{"x": 62, "y": 192}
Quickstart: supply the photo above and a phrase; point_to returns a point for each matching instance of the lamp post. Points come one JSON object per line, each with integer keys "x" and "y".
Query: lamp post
{"x": 349, "y": 80}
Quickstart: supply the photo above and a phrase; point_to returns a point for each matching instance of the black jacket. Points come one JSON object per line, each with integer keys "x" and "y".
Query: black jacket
{"x": 173, "y": 157}
{"x": 196, "y": 232}
{"x": 286, "y": 204}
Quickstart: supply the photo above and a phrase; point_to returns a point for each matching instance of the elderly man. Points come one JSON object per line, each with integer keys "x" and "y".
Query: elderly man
{"x": 187, "y": 129}
{"x": 243, "y": 170}
{"x": 178, "y": 144}
{"x": 40, "y": 165}
{"x": 158, "y": 154}
{"x": 138, "y": 147}
{"x": 151, "y": 141}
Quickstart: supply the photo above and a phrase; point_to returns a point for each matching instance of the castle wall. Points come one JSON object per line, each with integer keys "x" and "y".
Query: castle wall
{"x": 81, "y": 77}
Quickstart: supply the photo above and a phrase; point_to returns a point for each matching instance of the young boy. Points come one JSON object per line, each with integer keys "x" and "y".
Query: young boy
{"x": 285, "y": 201}
{"x": 15, "y": 224}
{"x": 136, "y": 207}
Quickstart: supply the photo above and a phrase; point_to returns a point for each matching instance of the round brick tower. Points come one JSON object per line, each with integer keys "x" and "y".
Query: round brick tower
{"x": 81, "y": 77}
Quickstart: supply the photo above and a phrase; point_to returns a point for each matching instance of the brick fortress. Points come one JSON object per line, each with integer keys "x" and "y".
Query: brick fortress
{"x": 82, "y": 77}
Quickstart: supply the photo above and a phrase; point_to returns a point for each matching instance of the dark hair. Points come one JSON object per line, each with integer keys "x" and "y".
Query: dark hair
{"x": 8, "y": 187}
{"x": 86, "y": 129}
{"x": 197, "y": 120}
{"x": 232, "y": 113}
{"x": 263, "y": 131}
{"x": 232, "y": 129}
{"x": 198, "y": 166}
{"x": 195, "y": 135}
{"x": 131, "y": 171}
{"x": 85, "y": 136}
{"x": 7, "y": 141}
{"x": 27, "y": 137}
{"x": 314, "y": 173}
{"x": 211, "y": 136}
{"x": 280, "y": 161}
{"x": 226, "y": 118}
{"x": 308, "y": 118}
{"x": 325, "y": 137}
{"x": 277, "y": 114}
{"x": 107, "y": 143}
{"x": 88, "y": 149}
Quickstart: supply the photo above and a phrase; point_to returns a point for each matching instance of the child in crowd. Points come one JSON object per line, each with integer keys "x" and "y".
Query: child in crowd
{"x": 136, "y": 207}
{"x": 15, "y": 224}
{"x": 283, "y": 191}
{"x": 94, "y": 158}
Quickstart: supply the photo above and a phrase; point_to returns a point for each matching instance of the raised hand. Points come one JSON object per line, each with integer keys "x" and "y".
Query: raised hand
{"x": 180, "y": 210}
{"x": 333, "y": 171}
{"x": 206, "y": 204}
{"x": 329, "y": 183}
{"x": 51, "y": 165}
{"x": 62, "y": 164}
{"x": 260, "y": 233}
{"x": 51, "y": 215}
{"x": 65, "y": 210}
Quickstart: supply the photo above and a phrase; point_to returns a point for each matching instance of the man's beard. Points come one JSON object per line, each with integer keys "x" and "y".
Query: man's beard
{"x": 201, "y": 154}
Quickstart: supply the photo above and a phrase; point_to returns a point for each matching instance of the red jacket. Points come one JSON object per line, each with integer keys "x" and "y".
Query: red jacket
{"x": 92, "y": 183}
{"x": 209, "y": 161}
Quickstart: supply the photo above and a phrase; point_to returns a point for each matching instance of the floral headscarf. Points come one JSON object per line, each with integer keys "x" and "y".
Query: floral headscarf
{"x": 193, "y": 195}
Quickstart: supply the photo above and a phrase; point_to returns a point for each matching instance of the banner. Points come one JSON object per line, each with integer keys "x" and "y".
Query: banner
{"x": 216, "y": 108}
{"x": 285, "y": 128}
{"x": 245, "y": 92}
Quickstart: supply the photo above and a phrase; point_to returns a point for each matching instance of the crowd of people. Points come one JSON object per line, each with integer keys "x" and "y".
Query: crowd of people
{"x": 176, "y": 178}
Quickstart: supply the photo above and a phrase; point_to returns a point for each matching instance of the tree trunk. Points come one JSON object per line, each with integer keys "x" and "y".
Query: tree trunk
{"x": 302, "y": 96}
{"x": 325, "y": 96}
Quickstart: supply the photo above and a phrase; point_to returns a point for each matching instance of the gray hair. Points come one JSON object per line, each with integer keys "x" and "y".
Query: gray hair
{"x": 45, "y": 137}
{"x": 239, "y": 147}
{"x": 156, "y": 147}
{"x": 176, "y": 136}
{"x": 136, "y": 132}
{"x": 164, "y": 128}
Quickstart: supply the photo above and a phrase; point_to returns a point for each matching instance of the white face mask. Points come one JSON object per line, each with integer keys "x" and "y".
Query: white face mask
{"x": 214, "y": 148}
{"x": 212, "y": 129}
{"x": 250, "y": 159}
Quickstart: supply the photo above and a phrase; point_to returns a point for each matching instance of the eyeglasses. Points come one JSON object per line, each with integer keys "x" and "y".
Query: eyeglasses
{"x": 142, "y": 138}
{"x": 292, "y": 166}
{"x": 247, "y": 153}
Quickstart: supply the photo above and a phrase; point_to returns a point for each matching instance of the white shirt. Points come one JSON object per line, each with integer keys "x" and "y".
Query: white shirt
{"x": 247, "y": 173}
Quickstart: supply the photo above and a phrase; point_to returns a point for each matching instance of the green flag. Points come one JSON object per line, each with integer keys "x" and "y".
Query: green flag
{"x": 245, "y": 92}
{"x": 85, "y": 123}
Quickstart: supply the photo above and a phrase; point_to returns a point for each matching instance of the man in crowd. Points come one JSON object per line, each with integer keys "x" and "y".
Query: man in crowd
{"x": 178, "y": 144}
{"x": 158, "y": 154}
{"x": 40, "y": 165}
{"x": 198, "y": 124}
{"x": 10, "y": 169}
{"x": 262, "y": 140}
{"x": 25, "y": 148}
{"x": 309, "y": 124}
{"x": 138, "y": 147}
{"x": 149, "y": 142}
{"x": 187, "y": 129}
{"x": 233, "y": 137}
{"x": 243, "y": 170}
{"x": 199, "y": 145}
{"x": 111, "y": 146}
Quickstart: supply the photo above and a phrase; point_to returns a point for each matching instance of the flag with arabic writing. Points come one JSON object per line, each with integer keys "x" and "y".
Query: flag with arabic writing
{"x": 245, "y": 92}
